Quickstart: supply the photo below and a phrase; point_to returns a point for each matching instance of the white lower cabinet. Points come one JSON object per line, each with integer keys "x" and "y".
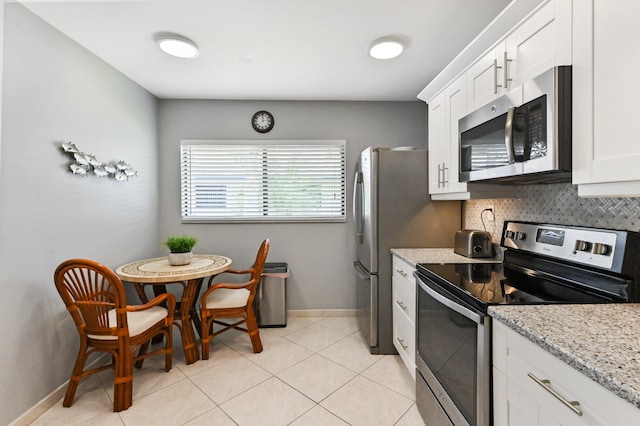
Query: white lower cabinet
{"x": 404, "y": 312}
{"x": 532, "y": 387}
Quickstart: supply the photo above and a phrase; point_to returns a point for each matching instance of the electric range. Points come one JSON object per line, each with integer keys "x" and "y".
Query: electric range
{"x": 543, "y": 264}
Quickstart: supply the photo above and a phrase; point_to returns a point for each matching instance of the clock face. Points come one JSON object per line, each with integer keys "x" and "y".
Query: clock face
{"x": 262, "y": 121}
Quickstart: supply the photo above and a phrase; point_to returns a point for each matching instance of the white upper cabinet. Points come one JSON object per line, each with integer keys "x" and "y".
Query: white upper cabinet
{"x": 438, "y": 146}
{"x": 606, "y": 151}
{"x": 445, "y": 109}
{"x": 456, "y": 103}
{"x": 541, "y": 41}
{"x": 444, "y": 112}
{"x": 485, "y": 78}
{"x": 532, "y": 37}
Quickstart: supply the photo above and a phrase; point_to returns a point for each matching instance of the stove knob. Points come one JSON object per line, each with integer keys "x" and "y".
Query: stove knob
{"x": 583, "y": 245}
{"x": 509, "y": 234}
{"x": 602, "y": 249}
{"x": 521, "y": 236}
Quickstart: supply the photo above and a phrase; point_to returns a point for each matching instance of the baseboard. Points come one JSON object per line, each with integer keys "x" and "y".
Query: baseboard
{"x": 45, "y": 403}
{"x": 322, "y": 312}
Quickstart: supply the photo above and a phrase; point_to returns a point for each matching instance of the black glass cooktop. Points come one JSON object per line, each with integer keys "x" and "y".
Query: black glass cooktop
{"x": 484, "y": 284}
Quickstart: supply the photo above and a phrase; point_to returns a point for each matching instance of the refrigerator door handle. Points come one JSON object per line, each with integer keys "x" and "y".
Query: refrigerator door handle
{"x": 361, "y": 271}
{"x": 358, "y": 207}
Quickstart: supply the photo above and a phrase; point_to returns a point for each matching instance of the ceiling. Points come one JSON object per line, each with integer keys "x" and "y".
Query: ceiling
{"x": 274, "y": 49}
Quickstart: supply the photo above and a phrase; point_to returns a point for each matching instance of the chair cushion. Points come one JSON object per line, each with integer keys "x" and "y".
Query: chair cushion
{"x": 228, "y": 298}
{"x": 138, "y": 322}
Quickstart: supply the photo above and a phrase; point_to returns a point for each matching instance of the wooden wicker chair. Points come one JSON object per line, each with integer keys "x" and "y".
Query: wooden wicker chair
{"x": 233, "y": 300}
{"x": 95, "y": 298}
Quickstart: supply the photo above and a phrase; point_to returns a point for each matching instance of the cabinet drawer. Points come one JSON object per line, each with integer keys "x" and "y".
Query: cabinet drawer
{"x": 404, "y": 339}
{"x": 404, "y": 298}
{"x": 403, "y": 270}
{"x": 404, "y": 289}
{"x": 599, "y": 406}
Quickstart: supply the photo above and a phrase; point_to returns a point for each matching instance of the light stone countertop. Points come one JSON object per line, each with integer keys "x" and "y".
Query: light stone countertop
{"x": 602, "y": 341}
{"x": 438, "y": 255}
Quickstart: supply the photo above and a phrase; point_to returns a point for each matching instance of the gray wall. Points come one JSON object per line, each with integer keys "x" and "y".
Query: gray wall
{"x": 56, "y": 91}
{"x": 320, "y": 255}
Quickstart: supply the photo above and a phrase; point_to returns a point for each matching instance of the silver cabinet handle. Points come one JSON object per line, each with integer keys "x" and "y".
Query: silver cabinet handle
{"x": 439, "y": 172}
{"x": 401, "y": 272}
{"x": 401, "y": 341}
{"x": 506, "y": 70}
{"x": 495, "y": 77}
{"x": 402, "y": 305}
{"x": 573, "y": 405}
{"x": 444, "y": 171}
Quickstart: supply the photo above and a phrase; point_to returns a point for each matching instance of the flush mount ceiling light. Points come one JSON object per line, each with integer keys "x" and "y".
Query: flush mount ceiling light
{"x": 387, "y": 48}
{"x": 177, "y": 45}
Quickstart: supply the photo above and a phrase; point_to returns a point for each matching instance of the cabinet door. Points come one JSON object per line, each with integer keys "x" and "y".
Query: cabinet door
{"x": 484, "y": 78}
{"x": 605, "y": 90}
{"x": 456, "y": 102}
{"x": 527, "y": 402}
{"x": 541, "y": 42}
{"x": 616, "y": 90}
{"x": 438, "y": 143}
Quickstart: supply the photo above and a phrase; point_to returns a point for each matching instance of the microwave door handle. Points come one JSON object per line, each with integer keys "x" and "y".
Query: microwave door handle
{"x": 508, "y": 135}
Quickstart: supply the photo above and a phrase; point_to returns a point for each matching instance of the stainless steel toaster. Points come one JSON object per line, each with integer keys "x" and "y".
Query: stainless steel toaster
{"x": 473, "y": 243}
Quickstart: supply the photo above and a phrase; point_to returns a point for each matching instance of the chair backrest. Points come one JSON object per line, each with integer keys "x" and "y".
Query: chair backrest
{"x": 90, "y": 290}
{"x": 261, "y": 258}
{"x": 257, "y": 268}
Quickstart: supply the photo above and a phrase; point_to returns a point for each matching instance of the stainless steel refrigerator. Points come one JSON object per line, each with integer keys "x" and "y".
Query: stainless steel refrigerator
{"x": 392, "y": 209}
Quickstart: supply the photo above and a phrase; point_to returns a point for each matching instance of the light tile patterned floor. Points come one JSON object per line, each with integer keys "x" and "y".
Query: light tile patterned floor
{"x": 316, "y": 371}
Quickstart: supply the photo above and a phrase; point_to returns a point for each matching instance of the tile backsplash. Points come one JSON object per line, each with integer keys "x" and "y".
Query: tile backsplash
{"x": 557, "y": 203}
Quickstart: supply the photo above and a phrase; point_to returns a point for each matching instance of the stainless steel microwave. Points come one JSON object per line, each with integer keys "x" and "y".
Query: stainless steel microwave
{"x": 523, "y": 136}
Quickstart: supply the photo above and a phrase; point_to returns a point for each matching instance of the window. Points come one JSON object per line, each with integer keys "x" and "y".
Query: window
{"x": 255, "y": 181}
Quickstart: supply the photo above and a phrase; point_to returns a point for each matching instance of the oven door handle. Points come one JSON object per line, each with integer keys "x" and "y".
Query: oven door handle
{"x": 468, "y": 313}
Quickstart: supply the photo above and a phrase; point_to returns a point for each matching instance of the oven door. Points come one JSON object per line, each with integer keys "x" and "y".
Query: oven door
{"x": 453, "y": 356}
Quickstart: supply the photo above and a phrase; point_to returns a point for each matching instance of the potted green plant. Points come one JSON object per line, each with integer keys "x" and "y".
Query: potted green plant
{"x": 180, "y": 247}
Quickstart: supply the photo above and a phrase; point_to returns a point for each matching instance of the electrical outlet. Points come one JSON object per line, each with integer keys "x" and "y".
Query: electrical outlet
{"x": 491, "y": 215}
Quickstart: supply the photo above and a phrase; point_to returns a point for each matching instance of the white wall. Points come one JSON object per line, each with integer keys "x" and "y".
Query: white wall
{"x": 56, "y": 91}
{"x": 320, "y": 255}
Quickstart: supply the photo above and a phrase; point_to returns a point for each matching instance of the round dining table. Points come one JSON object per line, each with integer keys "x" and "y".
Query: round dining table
{"x": 157, "y": 272}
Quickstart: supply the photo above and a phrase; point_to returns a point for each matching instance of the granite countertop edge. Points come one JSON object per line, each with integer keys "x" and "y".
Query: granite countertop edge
{"x": 414, "y": 256}
{"x": 610, "y": 374}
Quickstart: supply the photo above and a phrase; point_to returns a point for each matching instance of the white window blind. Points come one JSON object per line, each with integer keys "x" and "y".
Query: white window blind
{"x": 251, "y": 181}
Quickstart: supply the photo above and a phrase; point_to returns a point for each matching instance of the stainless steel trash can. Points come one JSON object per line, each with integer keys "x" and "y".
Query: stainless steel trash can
{"x": 270, "y": 303}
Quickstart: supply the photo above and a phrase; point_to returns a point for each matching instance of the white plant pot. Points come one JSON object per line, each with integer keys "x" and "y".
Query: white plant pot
{"x": 177, "y": 259}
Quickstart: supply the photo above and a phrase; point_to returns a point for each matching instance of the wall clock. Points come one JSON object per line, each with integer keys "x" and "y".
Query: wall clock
{"x": 262, "y": 121}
